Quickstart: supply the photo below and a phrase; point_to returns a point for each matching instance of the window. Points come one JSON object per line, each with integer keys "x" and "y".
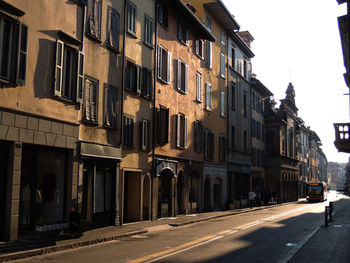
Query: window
{"x": 209, "y": 23}
{"x": 128, "y": 131}
{"x": 253, "y": 128}
{"x": 252, "y": 105}
{"x": 69, "y": 72}
{"x": 222, "y": 146}
{"x": 245, "y": 110}
{"x": 233, "y": 96}
{"x": 200, "y": 48}
{"x": 209, "y": 145}
{"x": 162, "y": 125}
{"x": 133, "y": 80}
{"x": 233, "y": 137}
{"x": 199, "y": 87}
{"x": 13, "y": 51}
{"x": 258, "y": 158}
{"x": 207, "y": 96}
{"x": 245, "y": 72}
{"x": 131, "y": 18}
{"x": 113, "y": 29}
{"x": 258, "y": 130}
{"x": 145, "y": 135}
{"x": 146, "y": 84}
{"x": 198, "y": 136}
{"x": 253, "y": 156}
{"x": 94, "y": 18}
{"x": 222, "y": 103}
{"x": 233, "y": 57}
{"x": 148, "y": 38}
{"x": 262, "y": 132}
{"x": 181, "y": 131}
{"x": 110, "y": 106}
{"x": 182, "y": 76}
{"x": 163, "y": 15}
{"x": 222, "y": 65}
{"x": 245, "y": 141}
{"x": 209, "y": 63}
{"x": 223, "y": 38}
{"x": 182, "y": 32}
{"x": 90, "y": 105}
{"x": 164, "y": 64}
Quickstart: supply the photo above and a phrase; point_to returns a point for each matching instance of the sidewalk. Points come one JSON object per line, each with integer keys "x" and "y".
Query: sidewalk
{"x": 33, "y": 247}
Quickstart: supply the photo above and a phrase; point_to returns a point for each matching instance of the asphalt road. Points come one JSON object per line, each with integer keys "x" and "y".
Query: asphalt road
{"x": 277, "y": 234}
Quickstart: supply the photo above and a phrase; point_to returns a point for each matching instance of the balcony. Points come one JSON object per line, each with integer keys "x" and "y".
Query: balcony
{"x": 342, "y": 137}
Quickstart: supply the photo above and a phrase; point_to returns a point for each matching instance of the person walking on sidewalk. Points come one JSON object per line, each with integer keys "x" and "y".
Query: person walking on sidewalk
{"x": 74, "y": 222}
{"x": 251, "y": 197}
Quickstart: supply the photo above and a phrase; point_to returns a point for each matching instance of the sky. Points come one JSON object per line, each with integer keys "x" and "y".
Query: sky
{"x": 298, "y": 41}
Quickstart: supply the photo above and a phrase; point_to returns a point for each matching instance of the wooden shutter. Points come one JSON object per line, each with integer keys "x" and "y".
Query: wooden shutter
{"x": 59, "y": 68}
{"x": 222, "y": 103}
{"x": 80, "y": 77}
{"x": 179, "y": 30}
{"x": 206, "y": 139}
{"x": 168, "y": 68}
{"x": 186, "y": 36}
{"x": 110, "y": 107}
{"x": 93, "y": 102}
{"x": 209, "y": 55}
{"x": 186, "y": 78}
{"x": 138, "y": 79}
{"x": 22, "y": 54}
{"x": 159, "y": 62}
{"x": 185, "y": 132}
{"x": 166, "y": 135}
{"x": 87, "y": 90}
{"x": 114, "y": 28}
{"x": 197, "y": 47}
{"x": 195, "y": 133}
{"x": 222, "y": 65}
{"x": 178, "y": 130}
{"x": 199, "y": 86}
{"x": 178, "y": 75}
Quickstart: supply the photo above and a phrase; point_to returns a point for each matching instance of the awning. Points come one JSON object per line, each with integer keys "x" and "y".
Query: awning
{"x": 100, "y": 151}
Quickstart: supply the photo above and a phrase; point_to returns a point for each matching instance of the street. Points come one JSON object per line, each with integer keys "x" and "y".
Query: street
{"x": 275, "y": 234}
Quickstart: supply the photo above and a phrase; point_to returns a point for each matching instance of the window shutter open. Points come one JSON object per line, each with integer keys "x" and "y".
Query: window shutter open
{"x": 197, "y": 47}
{"x": 186, "y": 78}
{"x": 93, "y": 102}
{"x": 209, "y": 55}
{"x": 206, "y": 145}
{"x": 179, "y": 30}
{"x": 141, "y": 135}
{"x": 159, "y": 62}
{"x": 168, "y": 67}
{"x": 22, "y": 54}
{"x": 59, "y": 68}
{"x": 138, "y": 79}
{"x": 178, "y": 130}
{"x": 186, "y": 36}
{"x": 178, "y": 75}
{"x": 80, "y": 77}
{"x": 166, "y": 135}
{"x": 114, "y": 28}
{"x": 87, "y": 91}
{"x": 185, "y": 133}
{"x": 195, "y": 138}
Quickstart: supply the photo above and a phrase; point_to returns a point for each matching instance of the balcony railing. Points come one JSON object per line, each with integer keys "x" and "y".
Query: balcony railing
{"x": 342, "y": 137}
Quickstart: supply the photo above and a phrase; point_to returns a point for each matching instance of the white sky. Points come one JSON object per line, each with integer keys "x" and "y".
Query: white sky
{"x": 298, "y": 41}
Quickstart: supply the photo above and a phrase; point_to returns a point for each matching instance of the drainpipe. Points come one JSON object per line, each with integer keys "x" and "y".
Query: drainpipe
{"x": 123, "y": 78}
{"x": 228, "y": 117}
{"x": 154, "y": 172}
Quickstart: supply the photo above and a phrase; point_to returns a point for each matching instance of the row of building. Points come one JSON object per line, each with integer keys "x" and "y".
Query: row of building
{"x": 135, "y": 110}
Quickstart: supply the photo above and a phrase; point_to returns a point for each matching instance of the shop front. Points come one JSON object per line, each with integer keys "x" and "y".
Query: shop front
{"x": 3, "y": 174}
{"x": 43, "y": 191}
{"x": 99, "y": 184}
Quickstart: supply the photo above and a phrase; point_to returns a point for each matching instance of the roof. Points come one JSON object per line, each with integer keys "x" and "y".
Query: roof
{"x": 218, "y": 10}
{"x": 187, "y": 14}
{"x": 261, "y": 87}
{"x": 341, "y": 1}
{"x": 241, "y": 44}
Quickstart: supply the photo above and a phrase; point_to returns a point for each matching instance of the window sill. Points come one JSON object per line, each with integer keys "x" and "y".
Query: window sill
{"x": 198, "y": 101}
{"x": 163, "y": 81}
{"x": 132, "y": 34}
{"x": 90, "y": 123}
{"x": 109, "y": 127}
{"x": 149, "y": 45}
{"x": 182, "y": 92}
{"x": 200, "y": 57}
{"x": 94, "y": 38}
{"x": 223, "y": 77}
{"x": 208, "y": 109}
{"x": 4, "y": 82}
{"x": 113, "y": 49}
{"x": 67, "y": 100}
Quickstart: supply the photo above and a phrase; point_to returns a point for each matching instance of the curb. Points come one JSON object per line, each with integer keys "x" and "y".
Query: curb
{"x": 51, "y": 249}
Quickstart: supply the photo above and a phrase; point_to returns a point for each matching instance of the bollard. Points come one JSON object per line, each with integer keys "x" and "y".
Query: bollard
{"x": 330, "y": 211}
{"x": 326, "y": 216}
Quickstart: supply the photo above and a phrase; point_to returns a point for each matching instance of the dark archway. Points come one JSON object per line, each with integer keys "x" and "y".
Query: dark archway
{"x": 165, "y": 193}
{"x": 146, "y": 198}
{"x": 207, "y": 194}
{"x": 181, "y": 193}
{"x": 217, "y": 193}
{"x": 194, "y": 182}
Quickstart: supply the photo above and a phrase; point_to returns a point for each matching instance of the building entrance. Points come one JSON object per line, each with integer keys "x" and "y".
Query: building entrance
{"x": 3, "y": 175}
{"x": 164, "y": 193}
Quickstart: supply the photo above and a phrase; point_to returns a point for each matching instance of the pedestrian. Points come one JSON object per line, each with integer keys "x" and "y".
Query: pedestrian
{"x": 251, "y": 197}
{"x": 74, "y": 222}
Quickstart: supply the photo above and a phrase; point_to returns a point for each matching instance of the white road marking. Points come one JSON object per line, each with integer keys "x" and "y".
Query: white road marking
{"x": 298, "y": 246}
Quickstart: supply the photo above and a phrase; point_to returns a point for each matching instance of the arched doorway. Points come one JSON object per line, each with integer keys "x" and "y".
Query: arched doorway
{"x": 207, "y": 194}
{"x": 194, "y": 182}
{"x": 181, "y": 193}
{"x": 164, "y": 193}
{"x": 146, "y": 198}
{"x": 217, "y": 193}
